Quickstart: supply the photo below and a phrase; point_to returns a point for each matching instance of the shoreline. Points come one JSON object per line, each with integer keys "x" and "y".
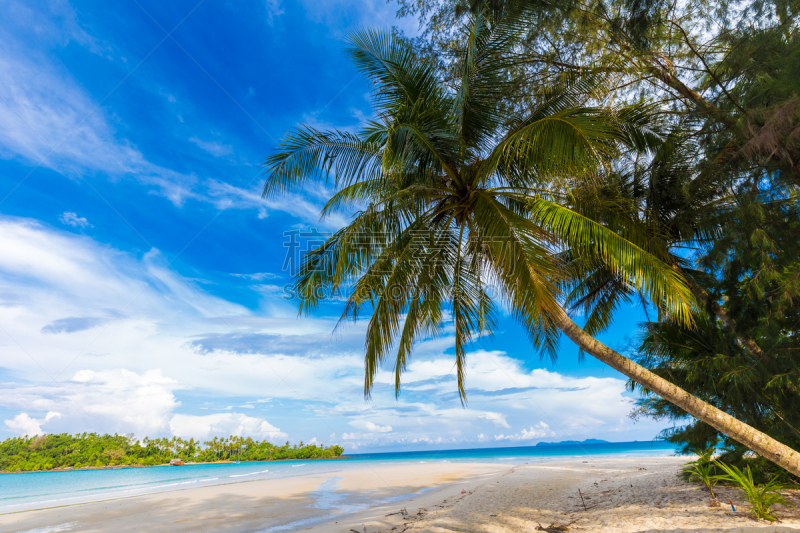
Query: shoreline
{"x": 617, "y": 495}
{"x": 607, "y": 495}
{"x": 121, "y": 467}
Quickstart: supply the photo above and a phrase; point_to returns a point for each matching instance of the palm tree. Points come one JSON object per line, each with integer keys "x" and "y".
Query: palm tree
{"x": 461, "y": 201}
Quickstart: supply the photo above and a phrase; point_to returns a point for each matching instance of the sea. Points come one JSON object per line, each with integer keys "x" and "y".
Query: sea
{"x": 37, "y": 490}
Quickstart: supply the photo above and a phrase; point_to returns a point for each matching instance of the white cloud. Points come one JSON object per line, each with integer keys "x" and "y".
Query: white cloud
{"x": 25, "y": 425}
{"x": 121, "y": 401}
{"x": 497, "y": 418}
{"x": 125, "y": 399}
{"x": 223, "y": 424}
{"x": 370, "y": 426}
{"x": 126, "y": 337}
{"x": 110, "y": 401}
{"x": 538, "y": 431}
{"x": 72, "y": 219}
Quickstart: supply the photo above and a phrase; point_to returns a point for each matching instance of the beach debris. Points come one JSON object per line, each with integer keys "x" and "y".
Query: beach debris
{"x": 714, "y": 503}
{"x": 400, "y": 512}
{"x": 582, "y": 500}
{"x": 463, "y": 492}
{"x": 732, "y": 507}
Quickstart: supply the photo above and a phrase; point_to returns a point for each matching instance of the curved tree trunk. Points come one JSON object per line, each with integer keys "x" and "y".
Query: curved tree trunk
{"x": 763, "y": 444}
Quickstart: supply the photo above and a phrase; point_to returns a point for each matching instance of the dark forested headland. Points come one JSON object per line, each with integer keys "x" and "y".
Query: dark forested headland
{"x": 45, "y": 452}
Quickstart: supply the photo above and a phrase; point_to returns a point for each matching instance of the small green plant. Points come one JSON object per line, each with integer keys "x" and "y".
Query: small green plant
{"x": 705, "y": 473}
{"x": 704, "y": 453}
{"x": 762, "y": 497}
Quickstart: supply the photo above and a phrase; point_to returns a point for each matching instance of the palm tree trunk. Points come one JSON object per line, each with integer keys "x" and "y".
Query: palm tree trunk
{"x": 763, "y": 444}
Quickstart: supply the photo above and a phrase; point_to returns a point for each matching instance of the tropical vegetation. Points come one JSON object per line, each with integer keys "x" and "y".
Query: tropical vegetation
{"x": 579, "y": 179}
{"x": 762, "y": 498}
{"x": 45, "y": 452}
{"x": 752, "y": 269}
{"x": 704, "y": 472}
{"x": 722, "y": 190}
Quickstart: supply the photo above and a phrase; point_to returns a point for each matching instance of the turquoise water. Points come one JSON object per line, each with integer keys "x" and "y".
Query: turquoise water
{"x": 47, "y": 489}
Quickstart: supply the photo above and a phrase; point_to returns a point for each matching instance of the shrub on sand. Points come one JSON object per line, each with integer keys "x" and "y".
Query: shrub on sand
{"x": 762, "y": 497}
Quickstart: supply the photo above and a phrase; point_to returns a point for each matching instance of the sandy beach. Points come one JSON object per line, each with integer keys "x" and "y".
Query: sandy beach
{"x": 620, "y": 495}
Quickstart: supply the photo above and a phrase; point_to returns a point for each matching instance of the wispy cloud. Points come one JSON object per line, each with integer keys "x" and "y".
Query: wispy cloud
{"x": 498, "y": 419}
{"x": 212, "y": 147}
{"x": 72, "y": 219}
{"x": 305, "y": 207}
{"x": 71, "y": 324}
{"x": 49, "y": 119}
{"x": 256, "y": 276}
{"x": 273, "y": 10}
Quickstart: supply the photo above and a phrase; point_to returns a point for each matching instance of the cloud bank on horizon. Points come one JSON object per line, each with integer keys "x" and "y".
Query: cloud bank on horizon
{"x": 141, "y": 273}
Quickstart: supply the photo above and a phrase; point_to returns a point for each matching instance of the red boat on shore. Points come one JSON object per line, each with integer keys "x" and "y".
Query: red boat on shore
{"x": 176, "y": 462}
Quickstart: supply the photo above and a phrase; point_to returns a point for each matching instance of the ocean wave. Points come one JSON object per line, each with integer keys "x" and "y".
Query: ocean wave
{"x": 251, "y": 473}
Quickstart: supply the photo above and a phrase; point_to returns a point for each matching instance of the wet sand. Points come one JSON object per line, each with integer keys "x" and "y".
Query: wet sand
{"x": 620, "y": 495}
{"x": 250, "y": 506}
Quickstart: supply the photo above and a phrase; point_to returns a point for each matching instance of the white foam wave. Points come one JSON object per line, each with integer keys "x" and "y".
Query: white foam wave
{"x": 67, "y": 526}
{"x": 249, "y": 474}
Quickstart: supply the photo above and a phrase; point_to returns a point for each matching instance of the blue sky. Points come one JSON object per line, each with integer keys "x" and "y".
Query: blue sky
{"x": 141, "y": 271}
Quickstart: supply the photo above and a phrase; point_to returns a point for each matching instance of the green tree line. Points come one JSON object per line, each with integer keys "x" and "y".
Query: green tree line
{"x": 45, "y": 452}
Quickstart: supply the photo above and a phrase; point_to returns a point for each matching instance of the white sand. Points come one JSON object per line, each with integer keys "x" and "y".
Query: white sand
{"x": 621, "y": 495}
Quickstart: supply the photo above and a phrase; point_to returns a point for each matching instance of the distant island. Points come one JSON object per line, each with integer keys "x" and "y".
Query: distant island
{"x": 90, "y": 450}
{"x": 565, "y": 442}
